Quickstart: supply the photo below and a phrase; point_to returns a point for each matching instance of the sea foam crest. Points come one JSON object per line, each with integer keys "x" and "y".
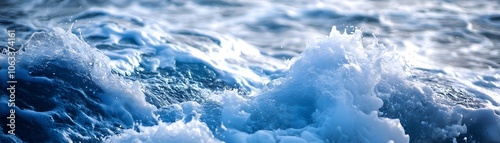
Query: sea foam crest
{"x": 67, "y": 90}
{"x": 326, "y": 95}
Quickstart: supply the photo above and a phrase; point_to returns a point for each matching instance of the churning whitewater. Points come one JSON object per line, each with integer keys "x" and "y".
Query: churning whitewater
{"x": 263, "y": 71}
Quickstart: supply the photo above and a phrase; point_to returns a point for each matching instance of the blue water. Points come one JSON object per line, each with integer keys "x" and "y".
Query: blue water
{"x": 251, "y": 71}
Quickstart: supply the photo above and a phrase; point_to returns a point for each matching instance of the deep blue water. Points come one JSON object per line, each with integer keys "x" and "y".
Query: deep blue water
{"x": 250, "y": 71}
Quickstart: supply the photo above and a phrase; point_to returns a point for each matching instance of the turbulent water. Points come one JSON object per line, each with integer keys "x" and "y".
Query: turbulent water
{"x": 250, "y": 71}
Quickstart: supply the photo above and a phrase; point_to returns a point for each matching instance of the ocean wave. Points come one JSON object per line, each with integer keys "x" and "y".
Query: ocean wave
{"x": 197, "y": 71}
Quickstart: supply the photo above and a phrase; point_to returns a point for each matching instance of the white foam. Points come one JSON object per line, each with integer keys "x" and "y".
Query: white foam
{"x": 194, "y": 131}
{"x": 119, "y": 98}
{"x": 327, "y": 95}
{"x": 235, "y": 61}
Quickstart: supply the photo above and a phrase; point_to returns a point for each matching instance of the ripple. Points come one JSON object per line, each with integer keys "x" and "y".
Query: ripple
{"x": 494, "y": 19}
